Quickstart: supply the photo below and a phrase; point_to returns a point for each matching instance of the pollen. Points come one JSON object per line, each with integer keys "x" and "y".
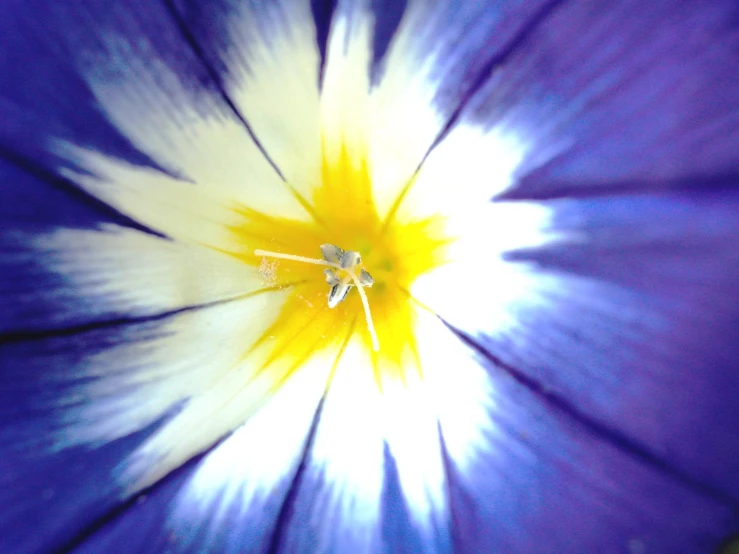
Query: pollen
{"x": 344, "y": 272}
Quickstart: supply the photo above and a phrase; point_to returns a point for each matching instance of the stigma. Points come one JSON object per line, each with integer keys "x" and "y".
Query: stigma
{"x": 344, "y": 272}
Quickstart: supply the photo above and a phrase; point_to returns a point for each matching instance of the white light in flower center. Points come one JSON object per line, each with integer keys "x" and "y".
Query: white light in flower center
{"x": 341, "y": 276}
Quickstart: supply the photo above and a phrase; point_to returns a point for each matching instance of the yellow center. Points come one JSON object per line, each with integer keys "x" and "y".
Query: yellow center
{"x": 394, "y": 253}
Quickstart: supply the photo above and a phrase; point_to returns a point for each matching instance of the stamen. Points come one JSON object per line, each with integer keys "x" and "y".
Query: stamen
{"x": 367, "y": 314}
{"x": 346, "y": 261}
{"x": 339, "y": 291}
{"x": 294, "y": 258}
{"x": 331, "y": 278}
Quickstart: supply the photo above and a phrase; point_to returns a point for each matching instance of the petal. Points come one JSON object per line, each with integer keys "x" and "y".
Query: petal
{"x": 230, "y": 500}
{"x": 547, "y": 482}
{"x": 48, "y": 494}
{"x": 612, "y": 98}
{"x": 346, "y": 455}
{"x": 395, "y": 76}
{"x": 374, "y": 478}
{"x": 189, "y": 155}
{"x": 622, "y": 309}
{"x": 42, "y": 94}
{"x": 48, "y": 498}
{"x": 144, "y": 397}
{"x": 68, "y": 261}
{"x": 267, "y": 57}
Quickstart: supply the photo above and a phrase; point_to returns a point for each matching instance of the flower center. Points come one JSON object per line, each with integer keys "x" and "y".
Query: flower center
{"x": 318, "y": 313}
{"x": 345, "y": 271}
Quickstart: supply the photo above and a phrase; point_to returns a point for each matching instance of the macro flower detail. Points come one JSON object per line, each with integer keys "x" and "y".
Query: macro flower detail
{"x": 353, "y": 276}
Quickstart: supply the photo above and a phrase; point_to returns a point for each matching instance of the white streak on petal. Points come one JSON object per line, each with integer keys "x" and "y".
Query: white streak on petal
{"x": 404, "y": 122}
{"x": 478, "y": 286}
{"x": 390, "y": 125}
{"x": 395, "y": 120}
{"x": 275, "y": 60}
{"x": 465, "y": 170}
{"x": 412, "y": 433}
{"x": 184, "y": 211}
{"x": 261, "y": 452}
{"x": 189, "y": 133}
{"x": 458, "y": 387}
{"x": 254, "y": 466}
{"x": 126, "y": 271}
{"x": 195, "y": 360}
{"x": 452, "y": 397}
{"x": 348, "y": 453}
{"x": 344, "y": 98}
{"x": 358, "y": 420}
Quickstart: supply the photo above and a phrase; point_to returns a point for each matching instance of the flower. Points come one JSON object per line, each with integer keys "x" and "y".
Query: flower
{"x": 197, "y": 197}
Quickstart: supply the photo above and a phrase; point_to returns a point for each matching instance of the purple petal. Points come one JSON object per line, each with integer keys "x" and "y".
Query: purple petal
{"x": 61, "y": 60}
{"x": 399, "y": 531}
{"x": 44, "y": 94}
{"x": 614, "y": 97}
{"x": 547, "y": 483}
{"x": 619, "y": 432}
{"x": 631, "y": 320}
{"x": 50, "y": 492}
{"x": 34, "y": 296}
{"x": 219, "y": 502}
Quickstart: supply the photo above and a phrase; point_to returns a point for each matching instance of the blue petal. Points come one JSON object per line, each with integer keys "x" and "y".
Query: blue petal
{"x": 36, "y": 298}
{"x": 200, "y": 510}
{"x": 615, "y": 97}
{"x": 640, "y": 340}
{"x": 399, "y": 533}
{"x": 43, "y": 93}
{"x": 53, "y": 53}
{"x": 72, "y": 413}
{"x": 548, "y": 483}
{"x": 50, "y": 493}
{"x": 467, "y": 38}
{"x": 139, "y": 525}
{"x": 48, "y": 500}
{"x": 639, "y": 329}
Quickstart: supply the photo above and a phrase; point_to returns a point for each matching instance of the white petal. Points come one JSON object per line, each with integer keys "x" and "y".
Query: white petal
{"x": 458, "y": 387}
{"x": 391, "y": 125}
{"x": 273, "y": 77}
{"x": 124, "y": 271}
{"x": 468, "y": 168}
{"x": 479, "y": 286}
{"x": 195, "y": 363}
{"x": 251, "y": 471}
{"x": 340, "y": 505}
{"x": 188, "y": 212}
{"x": 191, "y": 134}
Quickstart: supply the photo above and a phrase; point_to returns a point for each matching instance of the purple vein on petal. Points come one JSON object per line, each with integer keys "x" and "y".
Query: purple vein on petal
{"x": 485, "y": 72}
{"x": 323, "y": 13}
{"x": 455, "y": 524}
{"x": 73, "y": 190}
{"x": 112, "y": 514}
{"x": 28, "y": 335}
{"x": 583, "y": 189}
{"x": 283, "y": 516}
{"x": 197, "y": 50}
{"x": 608, "y": 434}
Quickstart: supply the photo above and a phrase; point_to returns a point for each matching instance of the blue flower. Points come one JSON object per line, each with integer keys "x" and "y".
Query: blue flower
{"x": 369, "y": 276}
